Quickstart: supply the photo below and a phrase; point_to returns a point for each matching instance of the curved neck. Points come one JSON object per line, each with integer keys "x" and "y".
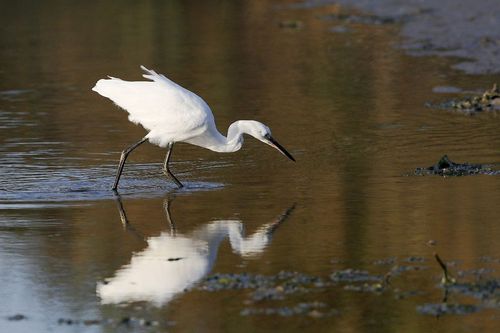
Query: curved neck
{"x": 234, "y": 138}
{"x": 212, "y": 139}
{"x": 229, "y": 144}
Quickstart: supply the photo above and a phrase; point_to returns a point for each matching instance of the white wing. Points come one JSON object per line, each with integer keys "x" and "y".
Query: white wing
{"x": 167, "y": 110}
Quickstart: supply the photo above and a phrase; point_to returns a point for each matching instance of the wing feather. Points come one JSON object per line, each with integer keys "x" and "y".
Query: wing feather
{"x": 160, "y": 105}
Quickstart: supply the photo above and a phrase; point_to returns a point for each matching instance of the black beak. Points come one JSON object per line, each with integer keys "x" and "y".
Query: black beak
{"x": 280, "y": 148}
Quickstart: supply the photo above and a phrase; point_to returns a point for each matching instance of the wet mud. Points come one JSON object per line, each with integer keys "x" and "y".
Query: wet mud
{"x": 487, "y": 101}
{"x": 446, "y": 167}
{"x": 291, "y": 288}
{"x": 465, "y": 29}
{"x": 296, "y": 294}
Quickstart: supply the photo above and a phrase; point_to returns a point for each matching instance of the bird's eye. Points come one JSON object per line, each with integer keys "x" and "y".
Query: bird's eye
{"x": 267, "y": 135}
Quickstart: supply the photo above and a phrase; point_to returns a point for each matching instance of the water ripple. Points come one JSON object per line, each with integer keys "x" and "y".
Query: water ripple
{"x": 38, "y": 183}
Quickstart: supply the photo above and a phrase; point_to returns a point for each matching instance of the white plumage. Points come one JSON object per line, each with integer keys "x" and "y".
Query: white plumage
{"x": 168, "y": 111}
{"x": 171, "y": 113}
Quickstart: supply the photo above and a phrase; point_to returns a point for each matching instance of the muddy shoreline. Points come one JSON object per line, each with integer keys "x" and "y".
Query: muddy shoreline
{"x": 467, "y": 30}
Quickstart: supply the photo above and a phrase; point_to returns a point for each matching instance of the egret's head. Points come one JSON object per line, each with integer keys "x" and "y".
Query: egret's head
{"x": 263, "y": 133}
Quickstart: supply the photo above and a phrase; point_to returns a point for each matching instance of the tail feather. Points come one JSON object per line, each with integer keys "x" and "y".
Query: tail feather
{"x": 153, "y": 76}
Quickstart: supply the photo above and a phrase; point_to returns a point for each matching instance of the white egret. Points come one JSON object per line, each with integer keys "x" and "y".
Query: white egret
{"x": 173, "y": 114}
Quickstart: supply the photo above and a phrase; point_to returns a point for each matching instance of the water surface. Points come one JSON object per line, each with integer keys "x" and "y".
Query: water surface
{"x": 348, "y": 106}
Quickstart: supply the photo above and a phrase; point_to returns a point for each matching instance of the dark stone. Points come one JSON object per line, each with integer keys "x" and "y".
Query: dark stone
{"x": 90, "y": 322}
{"x": 17, "y": 317}
{"x": 126, "y": 321}
{"x": 446, "y": 167}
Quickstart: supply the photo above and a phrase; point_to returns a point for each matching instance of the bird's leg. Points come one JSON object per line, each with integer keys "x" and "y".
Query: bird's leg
{"x": 166, "y": 170}
{"x": 166, "y": 206}
{"x": 123, "y": 158}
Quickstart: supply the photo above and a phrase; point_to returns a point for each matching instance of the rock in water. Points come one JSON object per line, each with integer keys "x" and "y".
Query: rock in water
{"x": 446, "y": 167}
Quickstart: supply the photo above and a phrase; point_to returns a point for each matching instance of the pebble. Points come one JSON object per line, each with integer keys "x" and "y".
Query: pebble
{"x": 17, "y": 317}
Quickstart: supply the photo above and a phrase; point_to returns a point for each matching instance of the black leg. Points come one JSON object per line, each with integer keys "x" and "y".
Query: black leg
{"x": 166, "y": 206}
{"x": 123, "y": 158}
{"x": 166, "y": 170}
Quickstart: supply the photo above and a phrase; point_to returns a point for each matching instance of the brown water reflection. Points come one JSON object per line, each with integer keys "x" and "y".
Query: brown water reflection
{"x": 173, "y": 261}
{"x": 348, "y": 106}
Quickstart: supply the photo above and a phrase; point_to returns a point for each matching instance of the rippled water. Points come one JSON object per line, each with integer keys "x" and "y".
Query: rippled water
{"x": 349, "y": 107}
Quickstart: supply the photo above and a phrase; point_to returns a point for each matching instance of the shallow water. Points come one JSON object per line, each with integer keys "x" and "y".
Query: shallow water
{"x": 349, "y": 107}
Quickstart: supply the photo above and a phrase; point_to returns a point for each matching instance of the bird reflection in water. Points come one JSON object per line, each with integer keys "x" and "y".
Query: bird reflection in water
{"x": 173, "y": 262}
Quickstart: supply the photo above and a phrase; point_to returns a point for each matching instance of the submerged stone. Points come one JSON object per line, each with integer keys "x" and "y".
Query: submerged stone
{"x": 387, "y": 261}
{"x": 444, "y": 308}
{"x": 398, "y": 269}
{"x": 362, "y": 19}
{"x": 366, "y": 287}
{"x": 339, "y": 29}
{"x": 311, "y": 309}
{"x": 17, "y": 317}
{"x": 482, "y": 290}
{"x": 415, "y": 259}
{"x": 446, "y": 90}
{"x": 265, "y": 287}
{"x": 291, "y": 24}
{"x": 354, "y": 275}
